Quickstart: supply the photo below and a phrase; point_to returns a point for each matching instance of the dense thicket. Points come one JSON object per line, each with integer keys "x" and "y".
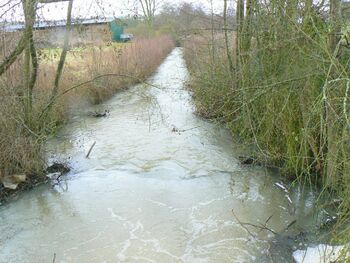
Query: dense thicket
{"x": 281, "y": 83}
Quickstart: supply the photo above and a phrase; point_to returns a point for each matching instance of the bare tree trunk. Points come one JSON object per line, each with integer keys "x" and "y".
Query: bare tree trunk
{"x": 212, "y": 34}
{"x": 64, "y": 51}
{"x": 26, "y": 80}
{"x": 35, "y": 66}
{"x": 291, "y": 10}
{"x": 29, "y": 73}
{"x": 229, "y": 58}
{"x": 61, "y": 62}
{"x": 332, "y": 148}
{"x": 15, "y": 53}
{"x": 330, "y": 114}
{"x": 148, "y": 9}
{"x": 239, "y": 32}
{"x": 335, "y": 15}
{"x": 247, "y": 27}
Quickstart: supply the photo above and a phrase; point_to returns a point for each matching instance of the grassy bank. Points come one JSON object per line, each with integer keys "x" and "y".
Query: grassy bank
{"x": 288, "y": 101}
{"x": 103, "y": 69}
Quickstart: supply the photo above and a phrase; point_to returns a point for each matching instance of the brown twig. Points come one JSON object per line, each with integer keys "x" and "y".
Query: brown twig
{"x": 243, "y": 225}
{"x": 261, "y": 226}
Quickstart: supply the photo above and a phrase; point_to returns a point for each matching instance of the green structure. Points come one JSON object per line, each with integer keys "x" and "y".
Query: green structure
{"x": 117, "y": 29}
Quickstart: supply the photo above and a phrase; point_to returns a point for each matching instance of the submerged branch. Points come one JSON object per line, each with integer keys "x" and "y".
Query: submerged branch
{"x": 261, "y": 226}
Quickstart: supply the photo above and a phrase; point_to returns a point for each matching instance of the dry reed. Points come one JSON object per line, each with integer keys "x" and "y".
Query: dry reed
{"x": 21, "y": 144}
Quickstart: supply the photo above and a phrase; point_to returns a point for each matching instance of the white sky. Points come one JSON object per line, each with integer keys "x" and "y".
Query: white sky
{"x": 90, "y": 8}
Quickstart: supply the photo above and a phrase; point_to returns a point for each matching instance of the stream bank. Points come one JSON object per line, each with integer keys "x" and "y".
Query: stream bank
{"x": 160, "y": 185}
{"x": 92, "y": 75}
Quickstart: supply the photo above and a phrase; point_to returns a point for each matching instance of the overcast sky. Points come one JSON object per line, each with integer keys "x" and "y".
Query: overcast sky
{"x": 90, "y": 8}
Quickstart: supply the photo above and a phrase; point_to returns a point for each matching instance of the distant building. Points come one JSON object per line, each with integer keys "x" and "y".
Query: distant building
{"x": 84, "y": 32}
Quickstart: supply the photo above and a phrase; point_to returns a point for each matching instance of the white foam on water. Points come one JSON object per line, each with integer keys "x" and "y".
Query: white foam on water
{"x": 319, "y": 254}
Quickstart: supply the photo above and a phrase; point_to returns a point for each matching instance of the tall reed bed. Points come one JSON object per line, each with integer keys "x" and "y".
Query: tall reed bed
{"x": 111, "y": 68}
{"x": 104, "y": 70}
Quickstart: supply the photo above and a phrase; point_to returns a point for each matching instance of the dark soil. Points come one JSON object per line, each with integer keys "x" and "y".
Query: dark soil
{"x": 32, "y": 181}
{"x": 57, "y": 168}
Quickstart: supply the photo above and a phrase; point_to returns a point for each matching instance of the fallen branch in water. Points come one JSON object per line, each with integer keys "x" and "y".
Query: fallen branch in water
{"x": 261, "y": 226}
{"x": 243, "y": 225}
{"x": 290, "y": 225}
{"x": 174, "y": 129}
{"x": 92, "y": 146}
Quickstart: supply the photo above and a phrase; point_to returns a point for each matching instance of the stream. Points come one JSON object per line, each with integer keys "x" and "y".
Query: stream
{"x": 160, "y": 185}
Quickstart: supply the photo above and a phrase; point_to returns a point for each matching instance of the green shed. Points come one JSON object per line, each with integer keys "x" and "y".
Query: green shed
{"x": 117, "y": 29}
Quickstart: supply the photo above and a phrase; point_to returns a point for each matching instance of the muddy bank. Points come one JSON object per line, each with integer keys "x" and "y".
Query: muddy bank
{"x": 14, "y": 187}
{"x": 31, "y": 181}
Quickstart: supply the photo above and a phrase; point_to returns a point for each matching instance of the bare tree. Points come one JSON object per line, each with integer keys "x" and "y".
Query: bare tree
{"x": 229, "y": 57}
{"x": 30, "y": 67}
{"x": 335, "y": 15}
{"x": 64, "y": 50}
{"x": 61, "y": 61}
{"x": 330, "y": 114}
{"x": 149, "y": 8}
{"x": 24, "y": 40}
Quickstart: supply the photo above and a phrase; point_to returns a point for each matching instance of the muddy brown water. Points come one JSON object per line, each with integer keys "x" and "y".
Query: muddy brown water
{"x": 161, "y": 185}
